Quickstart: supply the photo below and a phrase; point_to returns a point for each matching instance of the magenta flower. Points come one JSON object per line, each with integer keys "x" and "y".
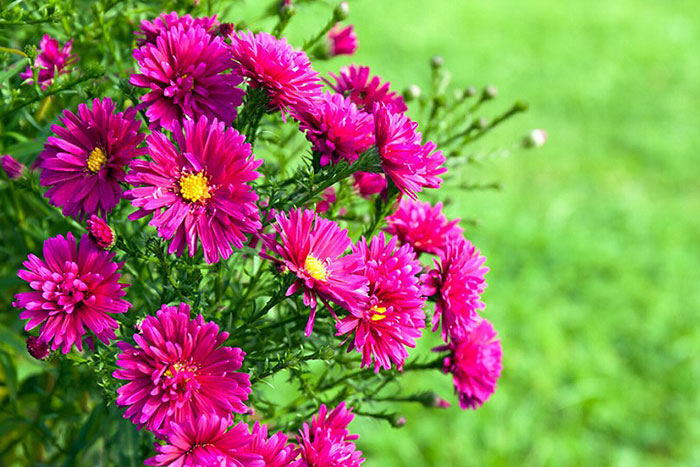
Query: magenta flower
{"x": 52, "y": 61}
{"x": 368, "y": 183}
{"x": 423, "y": 226}
{"x": 457, "y": 282}
{"x": 75, "y": 286}
{"x": 312, "y": 248}
{"x": 205, "y": 440}
{"x": 336, "y": 129}
{"x": 37, "y": 348}
{"x": 327, "y": 200}
{"x": 84, "y": 163}
{"x": 410, "y": 165}
{"x": 273, "y": 64}
{"x": 365, "y": 91}
{"x": 326, "y": 442}
{"x": 179, "y": 370}
{"x": 100, "y": 232}
{"x": 475, "y": 363}
{"x": 393, "y": 318}
{"x": 199, "y": 192}
{"x": 150, "y": 30}
{"x": 184, "y": 72}
{"x": 12, "y": 167}
{"x": 341, "y": 41}
{"x": 274, "y": 450}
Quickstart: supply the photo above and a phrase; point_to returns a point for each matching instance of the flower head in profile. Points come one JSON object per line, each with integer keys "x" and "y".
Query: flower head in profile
{"x": 336, "y": 128}
{"x": 185, "y": 72}
{"x": 85, "y": 162}
{"x": 150, "y": 30}
{"x": 411, "y": 165}
{"x": 12, "y": 167}
{"x": 368, "y": 183}
{"x": 75, "y": 286}
{"x": 423, "y": 226}
{"x": 341, "y": 41}
{"x": 393, "y": 317}
{"x": 365, "y": 90}
{"x": 179, "y": 370}
{"x": 52, "y": 61}
{"x": 205, "y": 440}
{"x": 457, "y": 282}
{"x": 200, "y": 190}
{"x": 275, "y": 450}
{"x": 272, "y": 64}
{"x": 313, "y": 249}
{"x": 100, "y": 232}
{"x": 326, "y": 441}
{"x": 475, "y": 364}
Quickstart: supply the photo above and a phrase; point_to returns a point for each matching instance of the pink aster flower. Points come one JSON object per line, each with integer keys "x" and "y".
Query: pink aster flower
{"x": 457, "y": 282}
{"x": 423, "y": 226}
{"x": 368, "y": 183}
{"x": 100, "y": 232}
{"x": 12, "y": 167}
{"x": 273, "y": 64}
{"x": 326, "y": 442}
{"x": 274, "y": 450}
{"x": 312, "y": 248}
{"x": 84, "y": 163}
{"x": 410, "y": 165}
{"x": 199, "y": 192}
{"x": 475, "y": 363}
{"x": 184, "y": 72}
{"x": 393, "y": 317}
{"x": 150, "y": 30}
{"x": 336, "y": 128}
{"x": 75, "y": 286}
{"x": 205, "y": 440}
{"x": 52, "y": 61}
{"x": 37, "y": 348}
{"x": 365, "y": 91}
{"x": 179, "y": 370}
{"x": 341, "y": 41}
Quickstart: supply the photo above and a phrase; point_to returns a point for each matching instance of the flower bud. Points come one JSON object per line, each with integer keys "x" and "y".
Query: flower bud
{"x": 470, "y": 91}
{"x": 437, "y": 62}
{"x": 12, "y": 167}
{"x": 341, "y": 41}
{"x": 481, "y": 123}
{"x": 398, "y": 422}
{"x": 226, "y": 29}
{"x": 490, "y": 92}
{"x": 411, "y": 93}
{"x": 441, "y": 403}
{"x": 37, "y": 348}
{"x": 100, "y": 232}
{"x": 342, "y": 11}
{"x": 535, "y": 139}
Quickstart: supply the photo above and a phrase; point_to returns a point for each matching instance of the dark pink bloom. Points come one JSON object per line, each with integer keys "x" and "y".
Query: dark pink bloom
{"x": 12, "y": 167}
{"x": 75, "y": 286}
{"x": 199, "y": 190}
{"x": 457, "y": 282}
{"x": 393, "y": 317}
{"x": 327, "y": 199}
{"x": 368, "y": 183}
{"x": 336, "y": 128}
{"x": 84, "y": 163}
{"x": 410, "y": 165}
{"x": 37, "y": 348}
{"x": 475, "y": 363}
{"x": 179, "y": 370}
{"x": 423, "y": 226}
{"x": 204, "y": 440}
{"x": 274, "y": 450}
{"x": 313, "y": 249}
{"x": 273, "y": 64}
{"x": 326, "y": 442}
{"x": 184, "y": 72}
{"x": 150, "y": 30}
{"x": 364, "y": 90}
{"x": 100, "y": 232}
{"x": 52, "y": 61}
{"x": 342, "y": 41}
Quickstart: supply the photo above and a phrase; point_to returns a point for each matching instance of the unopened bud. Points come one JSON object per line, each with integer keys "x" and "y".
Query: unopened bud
{"x": 100, "y": 232}
{"x": 12, "y": 167}
{"x": 437, "y": 62}
{"x": 326, "y": 352}
{"x": 411, "y": 93}
{"x": 535, "y": 139}
{"x": 287, "y": 8}
{"x": 441, "y": 403}
{"x": 342, "y": 11}
{"x": 490, "y": 92}
{"x": 37, "y": 348}
{"x": 399, "y": 422}
{"x": 481, "y": 123}
{"x": 470, "y": 91}
{"x": 226, "y": 29}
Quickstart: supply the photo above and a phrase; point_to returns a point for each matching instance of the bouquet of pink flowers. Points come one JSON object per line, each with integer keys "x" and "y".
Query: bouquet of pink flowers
{"x": 216, "y": 213}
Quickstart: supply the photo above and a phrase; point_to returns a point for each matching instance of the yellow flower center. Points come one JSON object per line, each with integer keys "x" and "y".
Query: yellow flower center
{"x": 378, "y": 313}
{"x": 194, "y": 187}
{"x": 316, "y": 268}
{"x": 96, "y": 159}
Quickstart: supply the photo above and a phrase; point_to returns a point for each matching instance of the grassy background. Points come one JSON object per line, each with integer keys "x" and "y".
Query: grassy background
{"x": 593, "y": 242}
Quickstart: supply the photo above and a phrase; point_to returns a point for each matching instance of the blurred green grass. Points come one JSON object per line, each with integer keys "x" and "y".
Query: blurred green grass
{"x": 592, "y": 243}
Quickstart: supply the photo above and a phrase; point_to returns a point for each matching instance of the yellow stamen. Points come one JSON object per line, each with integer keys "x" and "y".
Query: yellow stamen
{"x": 316, "y": 268}
{"x": 96, "y": 160}
{"x": 378, "y": 313}
{"x": 194, "y": 187}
